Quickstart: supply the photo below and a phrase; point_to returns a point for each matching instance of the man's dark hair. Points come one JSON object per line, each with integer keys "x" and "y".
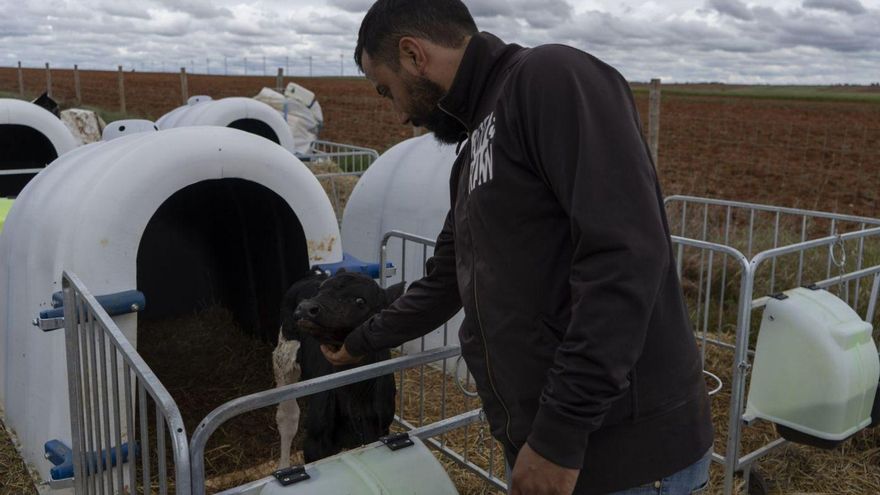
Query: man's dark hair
{"x": 444, "y": 22}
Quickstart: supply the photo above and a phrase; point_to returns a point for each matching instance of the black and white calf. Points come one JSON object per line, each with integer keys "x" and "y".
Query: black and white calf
{"x": 319, "y": 310}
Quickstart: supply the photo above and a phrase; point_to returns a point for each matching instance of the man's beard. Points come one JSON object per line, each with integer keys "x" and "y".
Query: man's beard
{"x": 424, "y": 96}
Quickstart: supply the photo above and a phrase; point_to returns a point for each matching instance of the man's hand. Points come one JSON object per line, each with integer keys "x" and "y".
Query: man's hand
{"x": 339, "y": 356}
{"x": 534, "y": 475}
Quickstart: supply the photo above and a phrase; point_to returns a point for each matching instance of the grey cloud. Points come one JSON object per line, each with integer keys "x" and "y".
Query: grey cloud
{"x": 490, "y": 8}
{"x": 734, "y": 8}
{"x": 201, "y": 9}
{"x": 123, "y": 10}
{"x": 354, "y": 6}
{"x": 539, "y": 14}
{"x": 820, "y": 32}
{"x": 853, "y": 7}
{"x": 325, "y": 25}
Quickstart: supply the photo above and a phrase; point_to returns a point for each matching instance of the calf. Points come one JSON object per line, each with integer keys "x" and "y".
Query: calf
{"x": 319, "y": 310}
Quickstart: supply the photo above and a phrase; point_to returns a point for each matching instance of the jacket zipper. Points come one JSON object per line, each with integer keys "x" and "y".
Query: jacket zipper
{"x": 477, "y": 306}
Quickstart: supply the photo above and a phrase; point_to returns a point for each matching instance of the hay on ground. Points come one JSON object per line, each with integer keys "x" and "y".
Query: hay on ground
{"x": 14, "y": 476}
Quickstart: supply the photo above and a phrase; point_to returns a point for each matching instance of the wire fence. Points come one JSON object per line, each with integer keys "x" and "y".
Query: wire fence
{"x": 804, "y": 154}
{"x": 225, "y": 65}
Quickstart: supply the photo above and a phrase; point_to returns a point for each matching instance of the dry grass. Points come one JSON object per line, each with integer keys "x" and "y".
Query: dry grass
{"x": 14, "y": 477}
{"x": 205, "y": 360}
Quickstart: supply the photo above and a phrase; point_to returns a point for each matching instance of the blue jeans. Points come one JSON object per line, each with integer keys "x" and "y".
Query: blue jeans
{"x": 690, "y": 480}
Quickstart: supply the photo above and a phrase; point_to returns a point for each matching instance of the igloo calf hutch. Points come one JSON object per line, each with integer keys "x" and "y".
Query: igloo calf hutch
{"x": 30, "y": 138}
{"x": 181, "y": 216}
{"x": 241, "y": 113}
{"x": 406, "y": 191}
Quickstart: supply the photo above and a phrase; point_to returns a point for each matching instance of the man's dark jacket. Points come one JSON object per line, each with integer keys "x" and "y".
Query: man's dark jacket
{"x": 557, "y": 246}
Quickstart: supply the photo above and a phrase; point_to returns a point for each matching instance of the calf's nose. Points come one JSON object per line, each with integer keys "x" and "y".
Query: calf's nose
{"x": 307, "y": 309}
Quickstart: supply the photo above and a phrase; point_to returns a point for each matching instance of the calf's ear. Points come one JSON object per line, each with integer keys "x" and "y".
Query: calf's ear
{"x": 393, "y": 292}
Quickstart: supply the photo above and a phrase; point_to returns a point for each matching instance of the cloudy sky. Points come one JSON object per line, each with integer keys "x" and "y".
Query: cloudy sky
{"x": 734, "y": 41}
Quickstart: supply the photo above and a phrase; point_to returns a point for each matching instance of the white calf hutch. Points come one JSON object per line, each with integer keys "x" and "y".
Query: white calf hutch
{"x": 30, "y": 138}
{"x": 246, "y": 114}
{"x": 178, "y": 215}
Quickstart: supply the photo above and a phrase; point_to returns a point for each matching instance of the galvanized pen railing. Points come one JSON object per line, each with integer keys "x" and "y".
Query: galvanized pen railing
{"x": 231, "y": 409}
{"x": 409, "y": 254}
{"x": 352, "y": 161}
{"x": 113, "y": 394}
{"x": 731, "y": 256}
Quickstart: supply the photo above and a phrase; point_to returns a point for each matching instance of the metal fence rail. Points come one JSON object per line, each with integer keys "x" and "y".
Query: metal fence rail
{"x": 338, "y": 168}
{"x": 350, "y": 158}
{"x": 20, "y": 171}
{"x": 731, "y": 256}
{"x": 115, "y": 401}
{"x": 417, "y": 407}
{"x": 275, "y": 396}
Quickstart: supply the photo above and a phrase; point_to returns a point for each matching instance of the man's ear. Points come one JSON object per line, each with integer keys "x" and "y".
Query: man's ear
{"x": 413, "y": 57}
{"x": 393, "y": 292}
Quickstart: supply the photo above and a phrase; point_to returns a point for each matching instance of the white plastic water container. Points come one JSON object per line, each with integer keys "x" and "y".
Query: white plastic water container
{"x": 371, "y": 470}
{"x": 816, "y": 367}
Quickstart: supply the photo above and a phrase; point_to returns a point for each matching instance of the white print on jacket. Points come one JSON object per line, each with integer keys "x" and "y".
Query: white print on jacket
{"x": 481, "y": 153}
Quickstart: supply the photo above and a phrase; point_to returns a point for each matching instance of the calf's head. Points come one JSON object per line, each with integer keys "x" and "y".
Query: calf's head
{"x": 343, "y": 302}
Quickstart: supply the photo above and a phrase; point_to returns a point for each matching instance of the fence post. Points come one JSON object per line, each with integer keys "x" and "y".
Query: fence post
{"x": 184, "y": 91}
{"x": 20, "y": 81}
{"x": 654, "y": 120}
{"x": 76, "y": 87}
{"x": 121, "y": 91}
{"x": 48, "y": 81}
{"x": 279, "y": 81}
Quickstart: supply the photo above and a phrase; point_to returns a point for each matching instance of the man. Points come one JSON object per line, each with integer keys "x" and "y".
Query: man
{"x": 557, "y": 247}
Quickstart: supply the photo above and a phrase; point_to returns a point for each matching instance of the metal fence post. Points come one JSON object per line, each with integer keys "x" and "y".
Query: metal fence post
{"x": 48, "y": 81}
{"x": 184, "y": 91}
{"x": 20, "y": 81}
{"x": 76, "y": 86}
{"x": 654, "y": 120}
{"x": 121, "y": 90}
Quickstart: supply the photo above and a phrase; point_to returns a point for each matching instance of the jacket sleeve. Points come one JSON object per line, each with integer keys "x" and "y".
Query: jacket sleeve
{"x": 427, "y": 303}
{"x": 580, "y": 129}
